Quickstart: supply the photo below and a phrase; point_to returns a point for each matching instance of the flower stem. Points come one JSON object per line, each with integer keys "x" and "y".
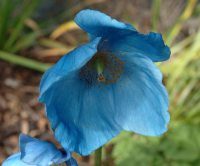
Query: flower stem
{"x": 98, "y": 157}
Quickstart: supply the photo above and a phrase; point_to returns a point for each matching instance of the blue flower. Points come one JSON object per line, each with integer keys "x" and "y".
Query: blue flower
{"x": 34, "y": 152}
{"x": 105, "y": 86}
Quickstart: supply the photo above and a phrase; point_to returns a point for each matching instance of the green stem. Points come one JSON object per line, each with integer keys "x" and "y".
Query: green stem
{"x": 25, "y": 62}
{"x": 98, "y": 157}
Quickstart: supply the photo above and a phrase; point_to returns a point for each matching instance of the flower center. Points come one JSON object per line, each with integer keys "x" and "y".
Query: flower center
{"x": 104, "y": 68}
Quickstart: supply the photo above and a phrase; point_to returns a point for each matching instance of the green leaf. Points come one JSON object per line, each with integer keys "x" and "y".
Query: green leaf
{"x": 25, "y": 41}
{"x": 28, "y": 8}
{"x": 6, "y": 7}
{"x": 155, "y": 11}
{"x": 22, "y": 61}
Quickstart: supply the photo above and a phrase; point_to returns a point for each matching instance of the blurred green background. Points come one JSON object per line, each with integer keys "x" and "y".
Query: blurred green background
{"x": 35, "y": 34}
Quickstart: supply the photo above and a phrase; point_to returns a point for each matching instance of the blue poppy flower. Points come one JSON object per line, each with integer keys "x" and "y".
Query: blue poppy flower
{"x": 34, "y": 152}
{"x": 105, "y": 86}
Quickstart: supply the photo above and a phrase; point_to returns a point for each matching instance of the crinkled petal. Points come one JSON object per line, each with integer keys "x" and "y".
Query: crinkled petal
{"x": 72, "y": 61}
{"x": 81, "y": 115}
{"x": 98, "y": 24}
{"x": 141, "y": 98}
{"x": 41, "y": 153}
{"x": 121, "y": 37}
{"x": 127, "y": 42}
{"x": 15, "y": 160}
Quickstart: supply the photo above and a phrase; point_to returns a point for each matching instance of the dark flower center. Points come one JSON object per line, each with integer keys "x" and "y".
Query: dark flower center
{"x": 103, "y": 68}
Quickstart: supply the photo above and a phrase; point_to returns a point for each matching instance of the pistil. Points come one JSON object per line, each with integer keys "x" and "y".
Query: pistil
{"x": 100, "y": 66}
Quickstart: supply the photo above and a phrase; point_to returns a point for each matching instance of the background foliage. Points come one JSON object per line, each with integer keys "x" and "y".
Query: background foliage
{"x": 45, "y": 30}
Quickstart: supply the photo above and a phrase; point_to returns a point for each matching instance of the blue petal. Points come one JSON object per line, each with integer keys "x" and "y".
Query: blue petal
{"x": 15, "y": 160}
{"x": 41, "y": 153}
{"x": 141, "y": 98}
{"x": 80, "y": 115}
{"x": 86, "y": 117}
{"x": 121, "y": 37}
{"x": 70, "y": 62}
{"x": 98, "y": 24}
{"x": 127, "y": 42}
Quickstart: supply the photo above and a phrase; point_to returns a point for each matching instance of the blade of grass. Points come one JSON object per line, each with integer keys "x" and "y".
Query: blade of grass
{"x": 182, "y": 45}
{"x": 28, "y": 9}
{"x": 174, "y": 92}
{"x": 25, "y": 62}
{"x": 193, "y": 100}
{"x": 186, "y": 57}
{"x": 24, "y": 42}
{"x": 53, "y": 52}
{"x": 63, "y": 28}
{"x": 174, "y": 31}
{"x": 186, "y": 91}
{"x": 192, "y": 113}
{"x": 5, "y": 12}
{"x": 51, "y": 43}
{"x": 155, "y": 11}
{"x": 197, "y": 10}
